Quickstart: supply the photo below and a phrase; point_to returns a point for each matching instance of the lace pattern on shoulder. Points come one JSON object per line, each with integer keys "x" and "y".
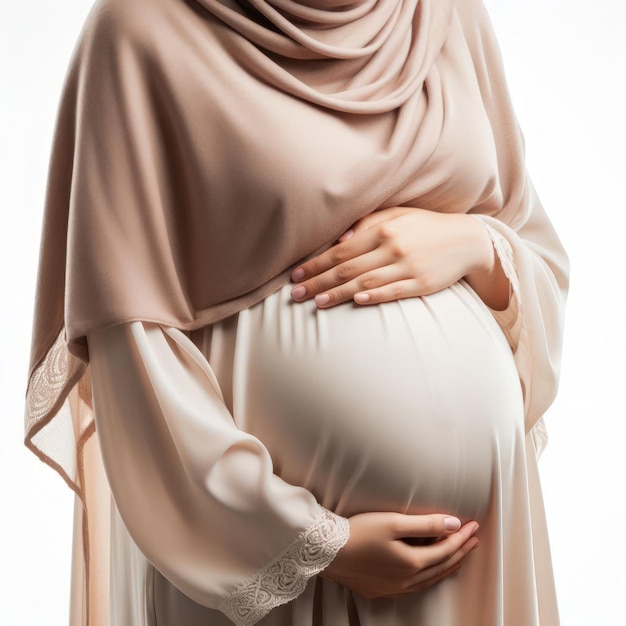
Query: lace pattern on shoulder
{"x": 286, "y": 577}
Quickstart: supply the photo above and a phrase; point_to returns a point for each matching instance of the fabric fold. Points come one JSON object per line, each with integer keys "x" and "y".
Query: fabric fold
{"x": 198, "y": 495}
{"x": 201, "y": 151}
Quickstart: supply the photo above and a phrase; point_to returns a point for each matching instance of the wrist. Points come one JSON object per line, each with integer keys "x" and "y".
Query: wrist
{"x": 484, "y": 256}
{"x": 486, "y": 276}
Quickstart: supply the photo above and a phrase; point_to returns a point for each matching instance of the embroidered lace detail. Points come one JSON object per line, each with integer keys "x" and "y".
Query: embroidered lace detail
{"x": 46, "y": 382}
{"x": 57, "y": 413}
{"x": 286, "y": 577}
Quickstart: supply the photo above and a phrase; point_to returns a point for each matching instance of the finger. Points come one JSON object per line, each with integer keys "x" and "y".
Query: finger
{"x": 406, "y": 288}
{"x": 336, "y": 255}
{"x": 346, "y": 292}
{"x": 437, "y": 553}
{"x": 347, "y": 235}
{"x": 389, "y": 292}
{"x": 427, "y": 584}
{"x": 437, "y": 579}
{"x": 439, "y": 569}
{"x": 433, "y": 525}
{"x": 377, "y": 217}
{"x": 344, "y": 273}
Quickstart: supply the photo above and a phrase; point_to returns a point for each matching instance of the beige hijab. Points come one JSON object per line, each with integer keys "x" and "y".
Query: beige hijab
{"x": 204, "y": 147}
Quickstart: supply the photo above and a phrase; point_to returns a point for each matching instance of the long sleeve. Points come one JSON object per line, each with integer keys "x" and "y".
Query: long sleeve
{"x": 198, "y": 495}
{"x": 513, "y": 210}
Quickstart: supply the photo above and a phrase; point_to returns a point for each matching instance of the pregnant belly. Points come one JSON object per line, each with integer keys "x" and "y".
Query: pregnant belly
{"x": 409, "y": 406}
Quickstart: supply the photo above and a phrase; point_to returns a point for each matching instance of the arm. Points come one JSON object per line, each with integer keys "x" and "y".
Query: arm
{"x": 402, "y": 252}
{"x": 201, "y": 501}
{"x": 410, "y": 253}
{"x": 198, "y": 495}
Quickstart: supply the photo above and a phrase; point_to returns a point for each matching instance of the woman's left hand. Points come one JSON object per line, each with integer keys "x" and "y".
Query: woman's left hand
{"x": 401, "y": 252}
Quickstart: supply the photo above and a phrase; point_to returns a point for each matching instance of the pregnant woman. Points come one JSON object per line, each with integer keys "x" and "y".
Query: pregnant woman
{"x": 298, "y": 317}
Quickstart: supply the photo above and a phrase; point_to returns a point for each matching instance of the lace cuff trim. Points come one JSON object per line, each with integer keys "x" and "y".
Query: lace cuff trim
{"x": 286, "y": 577}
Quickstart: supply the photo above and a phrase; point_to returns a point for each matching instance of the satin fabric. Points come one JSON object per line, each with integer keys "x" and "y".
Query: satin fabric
{"x": 413, "y": 406}
{"x": 201, "y": 151}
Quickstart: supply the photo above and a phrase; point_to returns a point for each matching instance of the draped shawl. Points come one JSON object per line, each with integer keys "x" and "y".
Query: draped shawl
{"x": 204, "y": 147}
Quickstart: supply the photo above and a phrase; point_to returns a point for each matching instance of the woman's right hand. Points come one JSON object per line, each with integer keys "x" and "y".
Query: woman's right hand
{"x": 381, "y": 560}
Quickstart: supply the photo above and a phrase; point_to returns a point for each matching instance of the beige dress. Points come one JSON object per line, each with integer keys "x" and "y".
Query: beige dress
{"x": 236, "y": 452}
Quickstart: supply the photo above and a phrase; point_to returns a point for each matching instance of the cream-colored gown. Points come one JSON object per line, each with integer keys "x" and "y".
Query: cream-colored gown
{"x": 198, "y": 156}
{"x": 236, "y": 452}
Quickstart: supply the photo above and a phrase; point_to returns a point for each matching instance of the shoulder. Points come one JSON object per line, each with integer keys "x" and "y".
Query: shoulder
{"x": 163, "y": 33}
{"x": 474, "y": 19}
{"x": 470, "y": 7}
{"x": 477, "y": 28}
{"x": 134, "y": 24}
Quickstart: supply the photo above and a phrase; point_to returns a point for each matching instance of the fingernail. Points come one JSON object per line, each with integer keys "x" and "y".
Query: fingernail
{"x": 475, "y": 527}
{"x": 451, "y": 523}
{"x": 361, "y": 297}
{"x": 346, "y": 235}
{"x": 298, "y": 292}
{"x": 297, "y": 274}
{"x": 322, "y": 299}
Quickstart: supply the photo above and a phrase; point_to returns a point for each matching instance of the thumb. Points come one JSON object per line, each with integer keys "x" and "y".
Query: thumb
{"x": 435, "y": 525}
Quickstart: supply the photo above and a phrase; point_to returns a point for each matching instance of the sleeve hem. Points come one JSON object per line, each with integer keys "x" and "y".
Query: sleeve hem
{"x": 286, "y": 577}
{"x": 509, "y": 318}
{"x": 505, "y": 254}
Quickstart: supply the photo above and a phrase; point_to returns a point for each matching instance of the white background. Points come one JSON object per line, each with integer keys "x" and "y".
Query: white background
{"x": 566, "y": 65}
